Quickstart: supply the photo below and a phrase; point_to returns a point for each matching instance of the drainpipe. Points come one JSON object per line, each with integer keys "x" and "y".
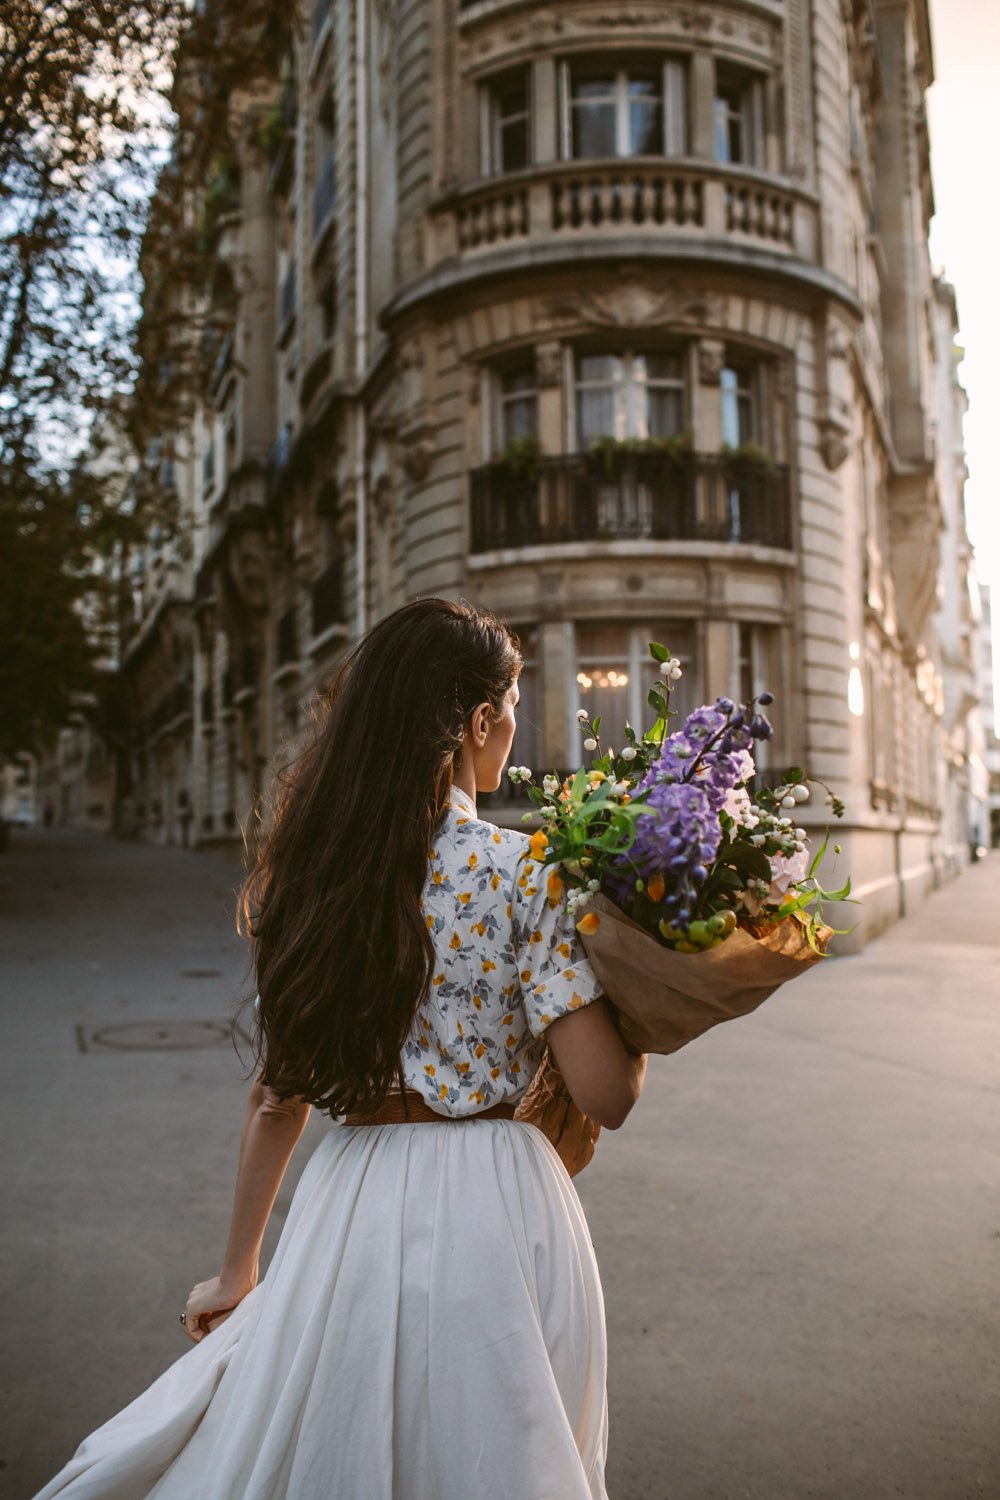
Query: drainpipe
{"x": 361, "y": 310}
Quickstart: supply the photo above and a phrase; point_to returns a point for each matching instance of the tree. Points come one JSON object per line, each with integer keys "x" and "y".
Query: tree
{"x": 103, "y": 107}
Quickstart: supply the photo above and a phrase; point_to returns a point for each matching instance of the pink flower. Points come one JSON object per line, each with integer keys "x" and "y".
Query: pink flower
{"x": 787, "y": 871}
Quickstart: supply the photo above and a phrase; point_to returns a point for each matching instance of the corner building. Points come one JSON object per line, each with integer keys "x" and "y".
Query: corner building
{"x": 616, "y": 319}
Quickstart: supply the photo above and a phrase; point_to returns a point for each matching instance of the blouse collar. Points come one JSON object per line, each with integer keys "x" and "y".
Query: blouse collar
{"x": 461, "y": 801}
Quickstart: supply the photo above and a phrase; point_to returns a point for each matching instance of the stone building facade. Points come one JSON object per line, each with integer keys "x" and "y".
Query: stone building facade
{"x": 617, "y": 319}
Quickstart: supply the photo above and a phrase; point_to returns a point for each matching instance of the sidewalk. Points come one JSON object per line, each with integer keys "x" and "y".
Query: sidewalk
{"x": 798, "y": 1228}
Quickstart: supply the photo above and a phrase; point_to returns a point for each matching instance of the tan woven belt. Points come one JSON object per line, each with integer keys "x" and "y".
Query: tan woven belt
{"x": 411, "y": 1109}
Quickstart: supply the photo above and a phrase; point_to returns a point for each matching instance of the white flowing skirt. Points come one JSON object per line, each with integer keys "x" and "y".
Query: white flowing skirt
{"x": 431, "y": 1327}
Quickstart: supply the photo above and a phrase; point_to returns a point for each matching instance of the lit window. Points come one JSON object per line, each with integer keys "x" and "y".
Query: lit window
{"x": 614, "y": 673}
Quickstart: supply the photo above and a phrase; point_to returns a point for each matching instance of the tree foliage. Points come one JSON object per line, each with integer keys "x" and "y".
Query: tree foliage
{"x": 105, "y": 109}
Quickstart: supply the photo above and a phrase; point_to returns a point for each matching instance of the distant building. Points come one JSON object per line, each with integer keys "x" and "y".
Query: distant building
{"x": 990, "y": 726}
{"x": 622, "y": 322}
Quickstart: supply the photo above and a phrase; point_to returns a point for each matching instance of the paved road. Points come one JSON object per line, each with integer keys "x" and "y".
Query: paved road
{"x": 799, "y": 1228}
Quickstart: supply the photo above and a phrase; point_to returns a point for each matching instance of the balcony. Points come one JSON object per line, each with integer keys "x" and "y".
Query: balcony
{"x": 641, "y": 199}
{"x": 325, "y": 197}
{"x": 704, "y": 497}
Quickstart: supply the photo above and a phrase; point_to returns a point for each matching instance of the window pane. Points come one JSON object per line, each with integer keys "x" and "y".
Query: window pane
{"x": 593, "y": 117}
{"x": 666, "y": 412}
{"x": 645, "y": 129}
{"x": 595, "y": 415}
{"x": 664, "y": 367}
{"x": 518, "y": 380}
{"x": 645, "y": 123}
{"x": 602, "y": 678}
{"x": 723, "y": 149}
{"x": 520, "y": 419}
{"x": 512, "y": 101}
{"x": 513, "y": 146}
{"x": 598, "y": 367}
{"x": 738, "y": 425}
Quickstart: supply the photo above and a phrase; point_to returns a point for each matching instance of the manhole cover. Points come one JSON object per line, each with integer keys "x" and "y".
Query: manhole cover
{"x": 153, "y": 1036}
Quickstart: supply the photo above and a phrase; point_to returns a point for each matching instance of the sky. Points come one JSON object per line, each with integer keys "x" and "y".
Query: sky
{"x": 964, "y": 120}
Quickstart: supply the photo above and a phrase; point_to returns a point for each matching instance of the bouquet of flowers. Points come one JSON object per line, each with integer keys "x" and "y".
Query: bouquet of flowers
{"x": 695, "y": 896}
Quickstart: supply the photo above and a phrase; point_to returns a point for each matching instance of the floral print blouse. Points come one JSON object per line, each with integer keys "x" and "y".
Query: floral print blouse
{"x": 508, "y": 962}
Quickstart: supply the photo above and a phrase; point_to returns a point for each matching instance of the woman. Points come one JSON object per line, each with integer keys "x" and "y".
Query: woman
{"x": 431, "y": 1326}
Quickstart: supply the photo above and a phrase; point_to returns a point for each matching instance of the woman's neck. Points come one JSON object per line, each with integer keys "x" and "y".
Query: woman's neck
{"x": 464, "y": 778}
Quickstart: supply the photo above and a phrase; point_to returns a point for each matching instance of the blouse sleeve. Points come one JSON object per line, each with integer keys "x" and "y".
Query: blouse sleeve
{"x": 554, "y": 971}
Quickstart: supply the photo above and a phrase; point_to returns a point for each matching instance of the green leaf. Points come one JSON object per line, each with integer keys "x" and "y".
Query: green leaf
{"x": 658, "y": 652}
{"x": 597, "y": 724}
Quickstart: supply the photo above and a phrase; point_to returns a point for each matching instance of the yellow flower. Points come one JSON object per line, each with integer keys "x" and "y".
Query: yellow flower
{"x": 488, "y": 964}
{"x": 438, "y": 979}
{"x": 538, "y": 843}
{"x": 443, "y": 1091}
{"x": 589, "y": 923}
{"x": 575, "y": 1001}
{"x": 554, "y": 885}
{"x": 473, "y": 861}
{"x": 536, "y": 936}
{"x": 495, "y": 881}
{"x": 430, "y": 1070}
{"x": 456, "y": 941}
{"x": 465, "y": 897}
{"x": 494, "y": 1072}
{"x": 463, "y": 1067}
{"x": 525, "y": 975}
{"x": 656, "y": 887}
{"x": 565, "y": 949}
{"x": 497, "y": 838}
{"x": 480, "y": 1050}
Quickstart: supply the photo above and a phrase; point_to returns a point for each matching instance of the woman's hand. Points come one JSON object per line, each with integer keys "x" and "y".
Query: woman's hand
{"x": 208, "y": 1305}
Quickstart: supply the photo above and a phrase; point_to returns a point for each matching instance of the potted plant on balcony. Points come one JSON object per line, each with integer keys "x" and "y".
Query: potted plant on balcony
{"x": 607, "y": 454}
{"x": 520, "y": 461}
{"x": 749, "y": 457}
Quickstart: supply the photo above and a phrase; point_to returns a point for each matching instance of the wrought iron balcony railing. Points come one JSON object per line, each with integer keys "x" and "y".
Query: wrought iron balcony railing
{"x": 703, "y": 497}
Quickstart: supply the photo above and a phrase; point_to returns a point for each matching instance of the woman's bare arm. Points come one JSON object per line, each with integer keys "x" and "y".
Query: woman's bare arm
{"x": 604, "y": 1077}
{"x": 271, "y": 1130}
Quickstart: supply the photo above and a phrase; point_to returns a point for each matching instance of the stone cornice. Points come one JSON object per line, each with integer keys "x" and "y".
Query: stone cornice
{"x": 704, "y": 254}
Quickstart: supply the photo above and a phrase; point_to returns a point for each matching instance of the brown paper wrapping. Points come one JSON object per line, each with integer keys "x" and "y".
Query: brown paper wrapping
{"x": 548, "y": 1105}
{"x": 666, "y": 999}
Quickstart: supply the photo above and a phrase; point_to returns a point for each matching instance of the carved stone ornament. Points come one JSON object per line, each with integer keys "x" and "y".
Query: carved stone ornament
{"x": 633, "y": 305}
{"x": 417, "y": 455}
{"x": 248, "y": 570}
{"x": 548, "y": 365}
{"x": 711, "y": 361}
{"x": 833, "y": 441}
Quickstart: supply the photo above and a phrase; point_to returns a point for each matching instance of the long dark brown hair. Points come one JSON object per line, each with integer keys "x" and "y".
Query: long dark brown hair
{"x": 342, "y": 955}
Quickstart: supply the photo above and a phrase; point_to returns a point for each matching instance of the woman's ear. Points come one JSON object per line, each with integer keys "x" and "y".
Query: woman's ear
{"x": 480, "y": 724}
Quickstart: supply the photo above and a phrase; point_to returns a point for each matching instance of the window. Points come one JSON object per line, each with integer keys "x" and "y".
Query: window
{"x": 739, "y": 386}
{"x": 509, "y": 126}
{"x": 739, "y": 118}
{"x": 614, "y": 673}
{"x": 629, "y": 395}
{"x": 518, "y": 405}
{"x": 327, "y": 310}
{"x": 624, "y": 111}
